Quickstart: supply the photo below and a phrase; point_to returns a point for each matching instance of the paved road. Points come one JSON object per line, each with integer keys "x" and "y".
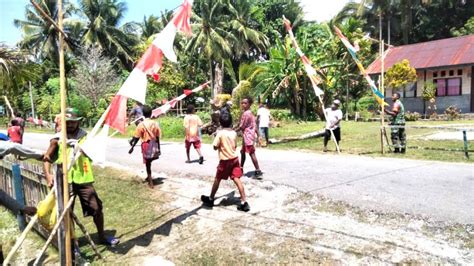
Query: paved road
{"x": 442, "y": 191}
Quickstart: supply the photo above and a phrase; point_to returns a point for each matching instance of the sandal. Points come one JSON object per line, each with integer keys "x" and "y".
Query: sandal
{"x": 110, "y": 241}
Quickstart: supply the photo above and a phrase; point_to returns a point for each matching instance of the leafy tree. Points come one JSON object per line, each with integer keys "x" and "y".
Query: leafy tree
{"x": 400, "y": 75}
{"x": 429, "y": 96}
{"x": 211, "y": 37}
{"x": 15, "y": 72}
{"x": 40, "y": 37}
{"x": 94, "y": 74}
{"x": 467, "y": 29}
{"x": 102, "y": 20}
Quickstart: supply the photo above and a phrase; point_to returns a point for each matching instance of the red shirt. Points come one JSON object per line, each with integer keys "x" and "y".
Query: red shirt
{"x": 14, "y": 132}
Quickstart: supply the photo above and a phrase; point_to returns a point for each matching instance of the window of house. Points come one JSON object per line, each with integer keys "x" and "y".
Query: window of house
{"x": 435, "y": 74}
{"x": 451, "y": 72}
{"x": 448, "y": 87}
{"x": 443, "y": 73}
{"x": 454, "y": 86}
{"x": 440, "y": 87}
{"x": 459, "y": 72}
{"x": 410, "y": 90}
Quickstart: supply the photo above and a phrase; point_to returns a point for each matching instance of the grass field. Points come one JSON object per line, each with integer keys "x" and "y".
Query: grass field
{"x": 364, "y": 138}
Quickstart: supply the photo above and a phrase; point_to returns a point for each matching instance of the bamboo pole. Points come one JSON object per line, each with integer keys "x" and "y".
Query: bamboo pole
{"x": 382, "y": 88}
{"x": 86, "y": 234}
{"x": 62, "y": 82}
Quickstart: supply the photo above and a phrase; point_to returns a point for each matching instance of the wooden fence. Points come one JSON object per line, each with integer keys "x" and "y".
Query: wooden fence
{"x": 25, "y": 183}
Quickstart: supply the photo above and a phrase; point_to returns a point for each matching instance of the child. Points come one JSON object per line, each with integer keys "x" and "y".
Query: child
{"x": 249, "y": 131}
{"x": 146, "y": 131}
{"x": 192, "y": 123}
{"x": 14, "y": 132}
{"x": 226, "y": 144}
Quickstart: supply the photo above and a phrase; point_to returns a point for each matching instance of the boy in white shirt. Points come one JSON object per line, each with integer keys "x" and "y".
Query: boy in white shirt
{"x": 225, "y": 143}
{"x": 263, "y": 121}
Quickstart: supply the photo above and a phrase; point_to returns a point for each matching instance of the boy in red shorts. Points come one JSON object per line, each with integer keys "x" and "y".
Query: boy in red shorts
{"x": 249, "y": 132}
{"x": 226, "y": 144}
{"x": 192, "y": 123}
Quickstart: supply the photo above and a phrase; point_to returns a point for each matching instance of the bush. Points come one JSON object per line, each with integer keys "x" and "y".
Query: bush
{"x": 412, "y": 116}
{"x": 452, "y": 112}
{"x": 367, "y": 103}
{"x": 281, "y": 114}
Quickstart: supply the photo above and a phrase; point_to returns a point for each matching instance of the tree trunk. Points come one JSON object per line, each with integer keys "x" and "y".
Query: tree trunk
{"x": 211, "y": 79}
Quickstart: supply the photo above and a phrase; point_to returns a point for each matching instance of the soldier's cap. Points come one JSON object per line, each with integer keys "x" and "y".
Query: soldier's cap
{"x": 72, "y": 114}
{"x": 336, "y": 102}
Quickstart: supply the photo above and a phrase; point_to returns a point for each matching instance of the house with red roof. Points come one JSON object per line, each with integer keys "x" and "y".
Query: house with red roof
{"x": 448, "y": 63}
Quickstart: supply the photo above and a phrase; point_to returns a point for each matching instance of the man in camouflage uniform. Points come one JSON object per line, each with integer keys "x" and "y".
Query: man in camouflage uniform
{"x": 398, "y": 119}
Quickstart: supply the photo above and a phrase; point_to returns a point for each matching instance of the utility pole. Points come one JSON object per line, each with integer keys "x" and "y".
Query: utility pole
{"x": 31, "y": 101}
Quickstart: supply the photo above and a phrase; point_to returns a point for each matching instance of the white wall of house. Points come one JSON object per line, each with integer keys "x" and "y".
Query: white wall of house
{"x": 414, "y": 103}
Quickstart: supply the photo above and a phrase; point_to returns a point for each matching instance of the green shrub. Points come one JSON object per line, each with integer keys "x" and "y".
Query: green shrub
{"x": 367, "y": 103}
{"x": 452, "y": 112}
{"x": 412, "y": 116}
{"x": 281, "y": 114}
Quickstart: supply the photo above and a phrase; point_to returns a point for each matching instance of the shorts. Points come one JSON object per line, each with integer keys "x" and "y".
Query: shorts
{"x": 196, "y": 144}
{"x": 337, "y": 134}
{"x": 229, "y": 168}
{"x": 90, "y": 201}
{"x": 248, "y": 149}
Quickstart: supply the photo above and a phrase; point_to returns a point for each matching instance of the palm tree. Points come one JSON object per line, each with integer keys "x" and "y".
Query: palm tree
{"x": 211, "y": 37}
{"x": 102, "y": 19}
{"x": 15, "y": 71}
{"x": 249, "y": 43}
{"x": 40, "y": 37}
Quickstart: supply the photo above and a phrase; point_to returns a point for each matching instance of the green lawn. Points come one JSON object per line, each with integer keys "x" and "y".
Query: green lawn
{"x": 364, "y": 138}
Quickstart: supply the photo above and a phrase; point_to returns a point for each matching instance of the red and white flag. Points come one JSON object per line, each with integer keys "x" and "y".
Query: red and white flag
{"x": 171, "y": 104}
{"x": 135, "y": 85}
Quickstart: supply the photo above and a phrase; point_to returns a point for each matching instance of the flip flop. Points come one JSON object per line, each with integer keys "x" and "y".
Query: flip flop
{"x": 111, "y": 241}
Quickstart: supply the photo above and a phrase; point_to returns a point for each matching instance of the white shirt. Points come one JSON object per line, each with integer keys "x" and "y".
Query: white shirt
{"x": 332, "y": 117}
{"x": 264, "y": 117}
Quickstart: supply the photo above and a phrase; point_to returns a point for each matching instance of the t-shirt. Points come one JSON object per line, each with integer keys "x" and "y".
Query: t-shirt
{"x": 147, "y": 130}
{"x": 191, "y": 124}
{"x": 264, "y": 117}
{"x": 332, "y": 117}
{"x": 226, "y": 143}
{"x": 14, "y": 132}
{"x": 247, "y": 124}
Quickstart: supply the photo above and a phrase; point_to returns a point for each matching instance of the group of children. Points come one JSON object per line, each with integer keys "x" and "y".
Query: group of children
{"x": 225, "y": 142}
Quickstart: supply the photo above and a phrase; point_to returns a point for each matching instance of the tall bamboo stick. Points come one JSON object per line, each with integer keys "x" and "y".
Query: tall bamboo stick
{"x": 62, "y": 82}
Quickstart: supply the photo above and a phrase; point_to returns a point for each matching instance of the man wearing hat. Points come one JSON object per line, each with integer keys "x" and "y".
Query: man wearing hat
{"x": 80, "y": 176}
{"x": 333, "y": 119}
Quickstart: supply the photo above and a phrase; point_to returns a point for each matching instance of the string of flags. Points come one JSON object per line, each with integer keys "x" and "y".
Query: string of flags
{"x": 135, "y": 85}
{"x": 172, "y": 103}
{"x": 353, "y": 52}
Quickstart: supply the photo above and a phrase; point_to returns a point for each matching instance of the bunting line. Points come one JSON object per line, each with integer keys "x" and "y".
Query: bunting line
{"x": 353, "y": 52}
{"x": 172, "y": 103}
{"x": 310, "y": 71}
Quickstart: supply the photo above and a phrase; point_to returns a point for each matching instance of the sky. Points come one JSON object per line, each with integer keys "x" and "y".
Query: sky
{"x": 319, "y": 10}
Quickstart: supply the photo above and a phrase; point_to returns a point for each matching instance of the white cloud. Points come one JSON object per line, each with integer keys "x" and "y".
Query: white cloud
{"x": 322, "y": 10}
